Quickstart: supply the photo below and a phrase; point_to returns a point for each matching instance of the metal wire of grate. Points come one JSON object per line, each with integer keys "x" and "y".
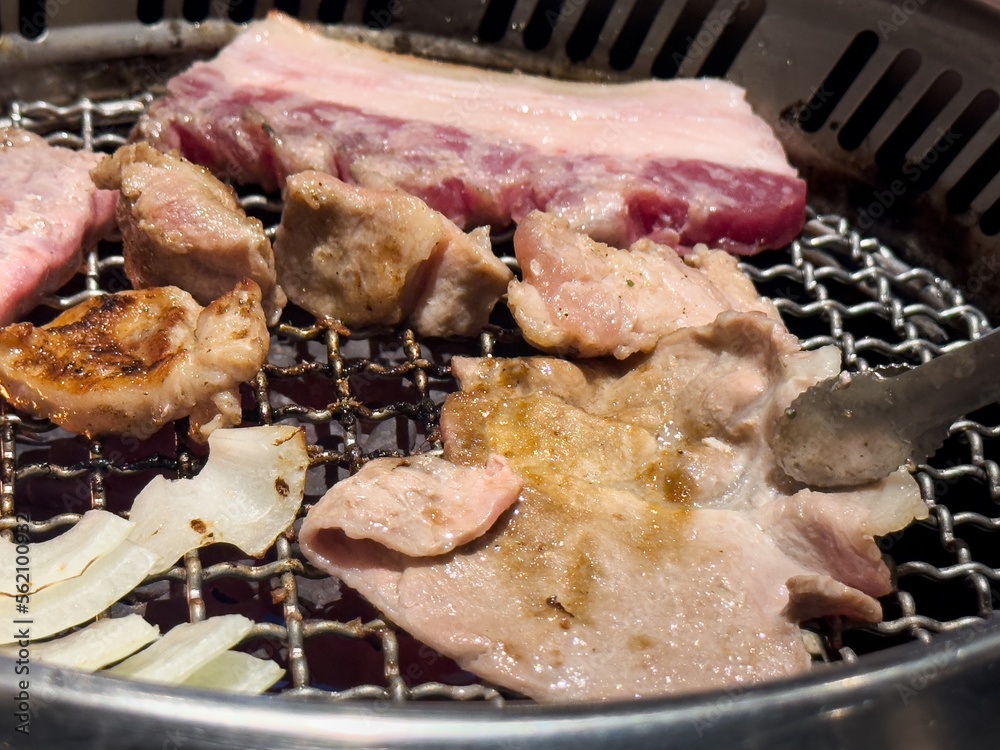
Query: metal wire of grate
{"x": 361, "y": 394}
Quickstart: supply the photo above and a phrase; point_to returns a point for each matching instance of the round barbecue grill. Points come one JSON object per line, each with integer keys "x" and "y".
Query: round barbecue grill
{"x": 889, "y": 112}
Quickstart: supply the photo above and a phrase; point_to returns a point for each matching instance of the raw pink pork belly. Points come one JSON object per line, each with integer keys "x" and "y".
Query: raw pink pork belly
{"x": 49, "y": 210}
{"x": 681, "y": 162}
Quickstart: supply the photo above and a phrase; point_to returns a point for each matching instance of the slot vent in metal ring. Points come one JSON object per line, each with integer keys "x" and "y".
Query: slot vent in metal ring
{"x": 878, "y": 100}
{"x": 732, "y": 27}
{"x": 329, "y": 11}
{"x": 972, "y": 183}
{"x": 947, "y": 148}
{"x": 630, "y": 39}
{"x": 495, "y": 21}
{"x": 543, "y": 22}
{"x": 837, "y": 82}
{"x": 587, "y": 31}
{"x": 892, "y": 153}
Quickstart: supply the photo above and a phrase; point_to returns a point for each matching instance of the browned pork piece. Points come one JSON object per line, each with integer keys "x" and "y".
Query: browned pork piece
{"x": 371, "y": 257}
{"x": 182, "y": 227}
{"x": 655, "y": 546}
{"x": 128, "y": 363}
{"x": 583, "y": 297}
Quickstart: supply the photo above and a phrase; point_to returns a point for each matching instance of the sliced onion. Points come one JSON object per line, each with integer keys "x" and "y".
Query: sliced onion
{"x": 249, "y": 492}
{"x": 95, "y": 646}
{"x": 65, "y": 556}
{"x": 184, "y": 650}
{"x": 71, "y": 602}
{"x": 236, "y": 672}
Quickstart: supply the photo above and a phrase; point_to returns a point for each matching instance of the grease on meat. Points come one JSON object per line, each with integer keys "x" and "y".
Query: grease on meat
{"x": 655, "y": 548}
{"x": 129, "y": 363}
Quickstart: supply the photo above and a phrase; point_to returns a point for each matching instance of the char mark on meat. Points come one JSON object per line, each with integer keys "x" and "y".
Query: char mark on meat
{"x": 128, "y": 363}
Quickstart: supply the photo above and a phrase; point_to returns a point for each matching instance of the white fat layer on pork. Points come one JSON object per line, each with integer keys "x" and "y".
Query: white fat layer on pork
{"x": 703, "y": 119}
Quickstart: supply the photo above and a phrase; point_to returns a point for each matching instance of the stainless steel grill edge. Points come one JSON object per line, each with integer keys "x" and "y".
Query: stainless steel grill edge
{"x": 834, "y": 285}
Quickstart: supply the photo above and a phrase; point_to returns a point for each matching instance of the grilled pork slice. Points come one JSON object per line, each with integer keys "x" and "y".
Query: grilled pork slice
{"x": 49, "y": 211}
{"x": 655, "y": 547}
{"x": 383, "y": 257}
{"x": 583, "y": 297}
{"x": 128, "y": 363}
{"x": 182, "y": 227}
{"x": 682, "y": 161}
{"x": 420, "y": 505}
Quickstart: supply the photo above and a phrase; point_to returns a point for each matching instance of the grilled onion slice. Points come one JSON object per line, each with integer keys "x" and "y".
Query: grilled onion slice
{"x": 184, "y": 650}
{"x": 249, "y": 492}
{"x": 236, "y": 672}
{"x": 67, "y": 603}
{"x": 62, "y": 557}
{"x": 95, "y": 646}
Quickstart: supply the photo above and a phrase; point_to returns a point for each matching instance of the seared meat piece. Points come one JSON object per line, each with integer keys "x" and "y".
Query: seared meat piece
{"x": 182, "y": 227}
{"x": 583, "y": 297}
{"x": 421, "y": 505}
{"x": 128, "y": 363}
{"x": 655, "y": 547}
{"x": 681, "y": 162}
{"x": 49, "y": 211}
{"x": 382, "y": 256}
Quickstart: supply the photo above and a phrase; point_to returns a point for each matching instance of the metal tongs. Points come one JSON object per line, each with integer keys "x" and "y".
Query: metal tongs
{"x": 855, "y": 429}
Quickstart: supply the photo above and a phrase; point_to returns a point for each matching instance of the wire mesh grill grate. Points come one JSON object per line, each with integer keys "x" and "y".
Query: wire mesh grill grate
{"x": 362, "y": 394}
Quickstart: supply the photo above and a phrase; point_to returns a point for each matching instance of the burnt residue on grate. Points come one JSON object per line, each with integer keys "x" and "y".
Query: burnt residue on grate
{"x": 362, "y": 394}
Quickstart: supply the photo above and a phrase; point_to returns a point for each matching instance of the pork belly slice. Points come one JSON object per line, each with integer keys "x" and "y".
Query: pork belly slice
{"x": 49, "y": 212}
{"x": 182, "y": 227}
{"x": 582, "y": 297}
{"x": 420, "y": 505}
{"x": 589, "y": 595}
{"x": 681, "y": 161}
{"x": 128, "y": 363}
{"x": 655, "y": 547}
{"x": 371, "y": 257}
